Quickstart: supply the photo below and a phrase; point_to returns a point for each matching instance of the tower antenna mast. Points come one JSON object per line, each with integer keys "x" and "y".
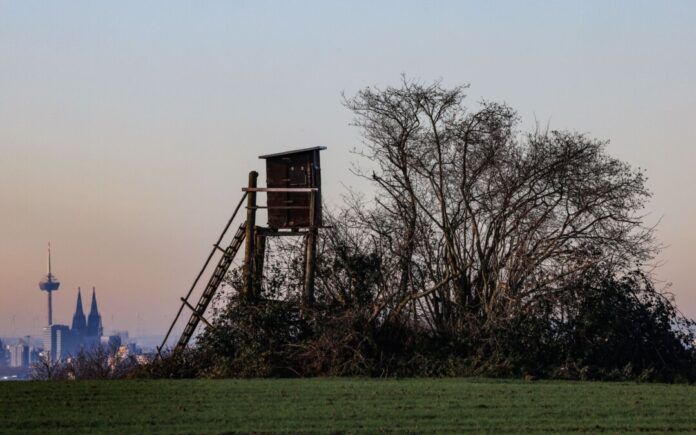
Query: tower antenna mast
{"x": 49, "y": 284}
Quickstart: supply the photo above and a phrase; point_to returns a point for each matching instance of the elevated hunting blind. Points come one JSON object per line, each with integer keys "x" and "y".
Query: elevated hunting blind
{"x": 298, "y": 169}
{"x": 293, "y": 189}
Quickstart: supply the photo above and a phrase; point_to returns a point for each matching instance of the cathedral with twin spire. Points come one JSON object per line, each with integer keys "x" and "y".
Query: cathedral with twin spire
{"x": 85, "y": 333}
{"x": 86, "y": 330}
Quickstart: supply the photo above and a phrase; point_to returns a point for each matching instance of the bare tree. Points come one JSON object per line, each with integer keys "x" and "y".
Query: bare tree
{"x": 44, "y": 369}
{"x": 481, "y": 218}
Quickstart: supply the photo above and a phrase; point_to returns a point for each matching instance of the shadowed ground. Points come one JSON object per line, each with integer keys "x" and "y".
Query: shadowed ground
{"x": 343, "y": 405}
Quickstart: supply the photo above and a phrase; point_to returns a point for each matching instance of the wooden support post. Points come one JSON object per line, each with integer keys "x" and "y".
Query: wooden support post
{"x": 250, "y": 236}
{"x": 310, "y": 266}
{"x": 259, "y": 254}
{"x": 310, "y": 254}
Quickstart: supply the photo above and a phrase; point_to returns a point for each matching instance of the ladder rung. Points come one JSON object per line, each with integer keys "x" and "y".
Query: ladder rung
{"x": 211, "y": 287}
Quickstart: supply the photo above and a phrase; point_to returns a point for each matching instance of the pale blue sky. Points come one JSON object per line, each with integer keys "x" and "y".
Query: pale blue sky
{"x": 127, "y": 128}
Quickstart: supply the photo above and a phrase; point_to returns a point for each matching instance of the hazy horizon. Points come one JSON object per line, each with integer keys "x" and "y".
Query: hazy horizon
{"x": 127, "y": 130}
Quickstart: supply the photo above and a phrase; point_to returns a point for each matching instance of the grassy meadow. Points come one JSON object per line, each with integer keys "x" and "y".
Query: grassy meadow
{"x": 344, "y": 406}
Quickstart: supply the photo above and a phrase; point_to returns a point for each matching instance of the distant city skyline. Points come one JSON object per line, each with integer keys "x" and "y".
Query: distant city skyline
{"x": 128, "y": 129}
{"x": 50, "y": 281}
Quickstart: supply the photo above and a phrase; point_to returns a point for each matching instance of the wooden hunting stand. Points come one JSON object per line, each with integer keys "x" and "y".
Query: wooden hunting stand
{"x": 293, "y": 181}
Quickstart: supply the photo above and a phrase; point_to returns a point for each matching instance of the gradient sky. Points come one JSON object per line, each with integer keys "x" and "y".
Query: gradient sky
{"x": 128, "y": 128}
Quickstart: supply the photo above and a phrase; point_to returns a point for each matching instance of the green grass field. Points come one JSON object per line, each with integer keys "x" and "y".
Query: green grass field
{"x": 343, "y": 405}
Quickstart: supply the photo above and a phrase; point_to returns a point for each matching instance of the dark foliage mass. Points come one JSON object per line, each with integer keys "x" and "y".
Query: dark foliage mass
{"x": 93, "y": 363}
{"x": 485, "y": 251}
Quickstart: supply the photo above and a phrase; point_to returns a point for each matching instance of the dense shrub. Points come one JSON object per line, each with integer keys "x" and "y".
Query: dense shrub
{"x": 618, "y": 329}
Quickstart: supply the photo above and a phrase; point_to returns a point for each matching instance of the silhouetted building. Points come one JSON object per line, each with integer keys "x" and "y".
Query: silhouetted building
{"x": 110, "y": 342}
{"x": 58, "y": 342}
{"x": 79, "y": 321}
{"x": 19, "y": 354}
{"x": 94, "y": 322}
{"x": 62, "y": 341}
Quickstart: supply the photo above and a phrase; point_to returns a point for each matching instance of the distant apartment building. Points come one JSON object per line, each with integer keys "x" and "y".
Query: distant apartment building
{"x": 58, "y": 342}
{"x": 111, "y": 342}
{"x": 123, "y": 335}
{"x": 19, "y": 354}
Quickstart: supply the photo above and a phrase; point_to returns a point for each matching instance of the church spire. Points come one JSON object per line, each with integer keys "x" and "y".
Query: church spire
{"x": 94, "y": 323}
{"x": 93, "y": 310}
{"x": 79, "y": 324}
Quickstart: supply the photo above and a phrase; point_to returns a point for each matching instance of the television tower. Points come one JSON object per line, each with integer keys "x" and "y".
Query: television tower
{"x": 49, "y": 284}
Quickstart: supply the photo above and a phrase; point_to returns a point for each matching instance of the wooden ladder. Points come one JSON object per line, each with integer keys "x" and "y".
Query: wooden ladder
{"x": 210, "y": 289}
{"x": 197, "y": 312}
